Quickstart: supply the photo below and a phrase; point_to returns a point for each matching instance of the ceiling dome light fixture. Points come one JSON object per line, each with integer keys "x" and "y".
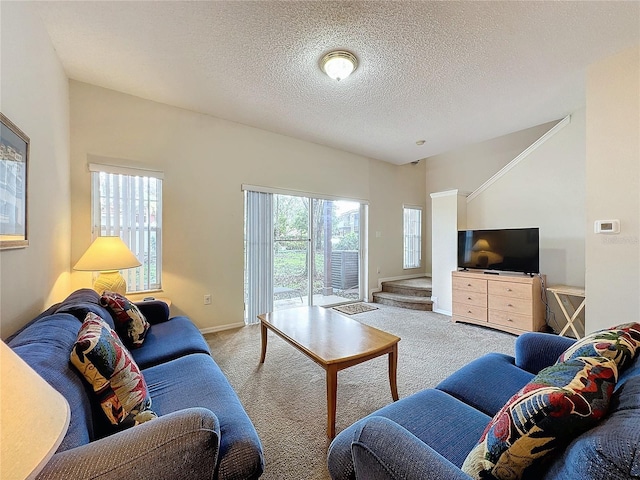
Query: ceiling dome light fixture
{"x": 339, "y": 64}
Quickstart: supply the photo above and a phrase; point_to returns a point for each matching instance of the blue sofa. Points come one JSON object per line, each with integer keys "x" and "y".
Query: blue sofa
{"x": 202, "y": 429}
{"x": 429, "y": 434}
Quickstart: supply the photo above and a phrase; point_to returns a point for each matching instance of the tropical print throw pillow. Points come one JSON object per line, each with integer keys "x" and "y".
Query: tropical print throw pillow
{"x": 130, "y": 323}
{"x": 108, "y": 367}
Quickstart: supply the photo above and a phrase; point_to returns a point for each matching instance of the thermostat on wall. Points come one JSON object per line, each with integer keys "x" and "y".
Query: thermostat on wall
{"x": 607, "y": 226}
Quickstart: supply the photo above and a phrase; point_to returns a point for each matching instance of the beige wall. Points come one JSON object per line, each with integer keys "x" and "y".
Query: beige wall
{"x": 392, "y": 187}
{"x": 467, "y": 168}
{"x": 613, "y": 186}
{"x": 449, "y": 214}
{"x": 546, "y": 190}
{"x": 205, "y": 161}
{"x": 34, "y": 95}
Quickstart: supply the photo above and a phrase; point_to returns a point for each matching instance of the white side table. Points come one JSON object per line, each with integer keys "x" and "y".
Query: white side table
{"x": 565, "y": 291}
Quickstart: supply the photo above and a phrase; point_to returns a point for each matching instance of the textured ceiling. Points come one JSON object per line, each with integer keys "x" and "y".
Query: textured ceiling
{"x": 450, "y": 73}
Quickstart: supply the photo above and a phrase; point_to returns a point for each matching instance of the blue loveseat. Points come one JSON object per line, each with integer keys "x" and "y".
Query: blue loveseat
{"x": 428, "y": 435}
{"x": 202, "y": 429}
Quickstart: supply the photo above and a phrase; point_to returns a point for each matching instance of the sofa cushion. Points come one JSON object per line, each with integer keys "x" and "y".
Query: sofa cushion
{"x": 384, "y": 450}
{"x": 633, "y": 371}
{"x": 45, "y": 346}
{"x": 106, "y": 364}
{"x": 155, "y": 311}
{"x": 197, "y": 381}
{"x": 169, "y": 340}
{"x": 81, "y": 302}
{"x": 610, "y": 450}
{"x": 537, "y": 350}
{"x": 561, "y": 402}
{"x": 618, "y": 343}
{"x": 131, "y": 325}
{"x": 447, "y": 425}
{"x": 486, "y": 383}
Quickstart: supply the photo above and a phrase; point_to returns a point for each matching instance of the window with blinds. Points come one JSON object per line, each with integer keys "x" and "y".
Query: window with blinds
{"x": 128, "y": 203}
{"x": 412, "y": 237}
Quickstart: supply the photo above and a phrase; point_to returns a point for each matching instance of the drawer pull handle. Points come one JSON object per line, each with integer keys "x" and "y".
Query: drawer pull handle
{"x": 509, "y": 320}
{"x": 468, "y": 284}
{"x": 468, "y": 298}
{"x": 509, "y": 290}
{"x": 469, "y": 311}
{"x": 509, "y": 305}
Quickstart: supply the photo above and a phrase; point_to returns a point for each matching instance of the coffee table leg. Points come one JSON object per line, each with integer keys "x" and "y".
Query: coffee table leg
{"x": 393, "y": 368}
{"x": 332, "y": 390}
{"x": 263, "y": 334}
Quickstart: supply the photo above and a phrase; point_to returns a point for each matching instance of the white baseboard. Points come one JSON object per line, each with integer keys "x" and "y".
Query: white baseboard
{"x": 221, "y": 328}
{"x": 444, "y": 312}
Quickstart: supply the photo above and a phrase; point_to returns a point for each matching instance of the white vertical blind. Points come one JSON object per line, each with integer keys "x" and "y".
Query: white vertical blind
{"x": 129, "y": 205}
{"x": 259, "y": 254}
{"x": 412, "y": 237}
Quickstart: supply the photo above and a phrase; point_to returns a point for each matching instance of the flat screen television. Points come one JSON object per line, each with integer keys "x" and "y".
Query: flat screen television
{"x": 507, "y": 250}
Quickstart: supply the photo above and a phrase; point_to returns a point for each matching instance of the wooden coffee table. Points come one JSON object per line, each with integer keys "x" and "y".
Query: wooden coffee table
{"x": 334, "y": 342}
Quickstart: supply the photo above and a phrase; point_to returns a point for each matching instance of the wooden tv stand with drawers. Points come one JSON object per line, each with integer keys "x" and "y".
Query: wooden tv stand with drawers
{"x": 509, "y": 302}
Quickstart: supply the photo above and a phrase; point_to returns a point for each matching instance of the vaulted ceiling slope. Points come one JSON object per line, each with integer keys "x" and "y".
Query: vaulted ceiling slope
{"x": 450, "y": 73}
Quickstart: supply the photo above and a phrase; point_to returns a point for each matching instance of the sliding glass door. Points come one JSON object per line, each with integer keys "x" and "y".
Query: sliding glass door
{"x": 316, "y": 253}
{"x": 291, "y": 250}
{"x": 336, "y": 252}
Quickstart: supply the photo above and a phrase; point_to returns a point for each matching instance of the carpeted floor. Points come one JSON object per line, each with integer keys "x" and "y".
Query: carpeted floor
{"x": 286, "y": 397}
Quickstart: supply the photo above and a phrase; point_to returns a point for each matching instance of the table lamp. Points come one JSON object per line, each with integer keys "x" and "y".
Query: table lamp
{"x": 108, "y": 255}
{"x": 483, "y": 247}
{"x": 34, "y": 417}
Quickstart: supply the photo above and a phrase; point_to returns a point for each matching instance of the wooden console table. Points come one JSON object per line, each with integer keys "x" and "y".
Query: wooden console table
{"x": 512, "y": 303}
{"x": 565, "y": 291}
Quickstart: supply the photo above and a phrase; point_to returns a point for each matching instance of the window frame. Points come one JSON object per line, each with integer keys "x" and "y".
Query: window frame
{"x": 138, "y": 238}
{"x": 412, "y": 240}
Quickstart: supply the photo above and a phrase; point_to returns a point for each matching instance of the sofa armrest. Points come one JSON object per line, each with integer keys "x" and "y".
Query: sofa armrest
{"x": 384, "y": 450}
{"x": 180, "y": 445}
{"x": 535, "y": 351}
{"x": 155, "y": 311}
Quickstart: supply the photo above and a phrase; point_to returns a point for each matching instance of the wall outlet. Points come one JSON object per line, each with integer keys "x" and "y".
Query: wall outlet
{"x": 207, "y": 299}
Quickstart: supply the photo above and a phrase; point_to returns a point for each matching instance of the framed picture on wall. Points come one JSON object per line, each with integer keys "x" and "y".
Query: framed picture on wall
{"x": 14, "y": 157}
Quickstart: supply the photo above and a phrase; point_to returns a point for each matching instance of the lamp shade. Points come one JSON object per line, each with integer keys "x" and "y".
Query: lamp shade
{"x": 35, "y": 417}
{"x": 107, "y": 255}
{"x": 481, "y": 245}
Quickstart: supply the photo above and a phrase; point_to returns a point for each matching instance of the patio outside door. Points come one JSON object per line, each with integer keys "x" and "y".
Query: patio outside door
{"x": 316, "y": 256}
{"x": 301, "y": 250}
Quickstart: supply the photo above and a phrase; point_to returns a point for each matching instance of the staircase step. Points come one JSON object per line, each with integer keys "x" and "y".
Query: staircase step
{"x": 412, "y": 302}
{"x": 418, "y": 287}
